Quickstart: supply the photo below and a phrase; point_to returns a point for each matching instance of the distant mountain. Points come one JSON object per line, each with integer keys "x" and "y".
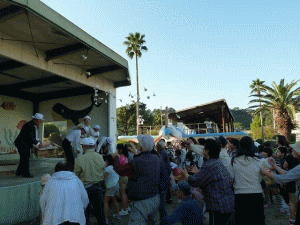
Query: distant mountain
{"x": 242, "y": 116}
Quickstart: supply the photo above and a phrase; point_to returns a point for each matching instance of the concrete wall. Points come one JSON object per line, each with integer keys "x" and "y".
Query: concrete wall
{"x": 99, "y": 114}
{"x": 104, "y": 115}
{"x": 9, "y": 120}
{"x": 297, "y": 130}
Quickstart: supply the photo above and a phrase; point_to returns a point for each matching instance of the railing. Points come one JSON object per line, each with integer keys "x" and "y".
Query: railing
{"x": 8, "y": 149}
{"x": 195, "y": 128}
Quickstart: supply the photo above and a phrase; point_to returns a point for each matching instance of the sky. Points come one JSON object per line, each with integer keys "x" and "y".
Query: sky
{"x": 198, "y": 50}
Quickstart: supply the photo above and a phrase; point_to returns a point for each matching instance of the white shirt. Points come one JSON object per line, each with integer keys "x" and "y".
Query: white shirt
{"x": 226, "y": 160}
{"x": 112, "y": 178}
{"x": 74, "y": 138}
{"x": 64, "y": 199}
{"x": 247, "y": 175}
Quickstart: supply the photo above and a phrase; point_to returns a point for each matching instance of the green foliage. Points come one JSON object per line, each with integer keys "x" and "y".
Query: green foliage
{"x": 126, "y": 118}
{"x": 281, "y": 98}
{"x": 256, "y": 131}
{"x": 242, "y": 117}
{"x": 135, "y": 44}
{"x": 50, "y": 129}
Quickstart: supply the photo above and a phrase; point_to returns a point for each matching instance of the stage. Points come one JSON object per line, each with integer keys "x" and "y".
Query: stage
{"x": 20, "y": 196}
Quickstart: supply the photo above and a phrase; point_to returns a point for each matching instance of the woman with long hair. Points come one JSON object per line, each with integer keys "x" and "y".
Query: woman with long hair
{"x": 249, "y": 203}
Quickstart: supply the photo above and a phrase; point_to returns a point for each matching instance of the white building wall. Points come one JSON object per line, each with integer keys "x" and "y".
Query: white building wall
{"x": 9, "y": 120}
{"x": 99, "y": 114}
{"x": 104, "y": 115}
{"x": 297, "y": 130}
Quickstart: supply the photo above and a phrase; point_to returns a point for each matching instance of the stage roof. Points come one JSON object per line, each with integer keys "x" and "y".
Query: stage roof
{"x": 212, "y": 111}
{"x": 44, "y": 56}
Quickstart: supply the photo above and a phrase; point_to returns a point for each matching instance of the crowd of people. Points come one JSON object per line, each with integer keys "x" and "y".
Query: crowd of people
{"x": 234, "y": 180}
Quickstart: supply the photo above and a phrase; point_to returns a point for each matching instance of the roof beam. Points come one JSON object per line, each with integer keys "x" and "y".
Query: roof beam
{"x": 10, "y": 12}
{"x": 65, "y": 93}
{"x": 104, "y": 69}
{"x": 18, "y": 94}
{"x": 11, "y": 64}
{"x": 32, "y": 83}
{"x": 63, "y": 51}
{"x": 122, "y": 83}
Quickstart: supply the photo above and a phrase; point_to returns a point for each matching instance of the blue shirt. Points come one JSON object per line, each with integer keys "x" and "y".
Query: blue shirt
{"x": 188, "y": 212}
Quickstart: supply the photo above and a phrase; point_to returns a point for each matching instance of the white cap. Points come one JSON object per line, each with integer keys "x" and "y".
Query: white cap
{"x": 88, "y": 141}
{"x": 146, "y": 141}
{"x": 87, "y": 118}
{"x": 38, "y": 116}
{"x": 96, "y": 126}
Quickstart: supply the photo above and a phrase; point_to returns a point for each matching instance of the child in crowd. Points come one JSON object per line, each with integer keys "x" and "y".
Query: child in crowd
{"x": 189, "y": 211}
{"x": 112, "y": 187}
{"x": 122, "y": 160}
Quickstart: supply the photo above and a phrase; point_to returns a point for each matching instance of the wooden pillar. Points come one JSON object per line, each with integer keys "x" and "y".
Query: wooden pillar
{"x": 223, "y": 120}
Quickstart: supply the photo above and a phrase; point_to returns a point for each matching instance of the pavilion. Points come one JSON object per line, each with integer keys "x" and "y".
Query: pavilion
{"x": 45, "y": 59}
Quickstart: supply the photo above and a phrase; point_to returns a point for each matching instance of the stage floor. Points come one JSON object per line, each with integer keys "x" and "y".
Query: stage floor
{"x": 38, "y": 167}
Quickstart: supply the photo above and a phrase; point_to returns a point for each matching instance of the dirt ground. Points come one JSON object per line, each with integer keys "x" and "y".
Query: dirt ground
{"x": 273, "y": 217}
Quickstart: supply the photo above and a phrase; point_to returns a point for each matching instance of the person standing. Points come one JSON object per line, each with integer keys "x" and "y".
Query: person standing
{"x": 28, "y": 138}
{"x": 146, "y": 179}
{"x": 215, "y": 182}
{"x": 86, "y": 126}
{"x": 90, "y": 169}
{"x": 71, "y": 144}
{"x": 249, "y": 202}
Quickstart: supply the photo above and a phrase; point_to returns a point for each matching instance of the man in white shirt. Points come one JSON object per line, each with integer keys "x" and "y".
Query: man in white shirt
{"x": 71, "y": 144}
{"x": 64, "y": 198}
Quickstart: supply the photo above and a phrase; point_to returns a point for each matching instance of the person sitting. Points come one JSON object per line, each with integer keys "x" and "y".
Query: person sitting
{"x": 189, "y": 211}
{"x": 64, "y": 198}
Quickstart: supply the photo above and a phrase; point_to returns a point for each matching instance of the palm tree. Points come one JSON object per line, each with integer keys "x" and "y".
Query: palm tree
{"x": 257, "y": 88}
{"x": 135, "y": 45}
{"x": 284, "y": 100}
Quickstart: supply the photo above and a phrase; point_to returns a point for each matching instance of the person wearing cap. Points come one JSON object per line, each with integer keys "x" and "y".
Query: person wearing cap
{"x": 86, "y": 126}
{"x": 90, "y": 169}
{"x": 95, "y": 132}
{"x": 71, "y": 144}
{"x": 147, "y": 179}
{"x": 103, "y": 145}
{"x": 28, "y": 138}
{"x": 189, "y": 211}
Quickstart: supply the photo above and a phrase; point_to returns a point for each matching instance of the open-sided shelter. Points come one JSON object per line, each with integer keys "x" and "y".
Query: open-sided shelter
{"x": 46, "y": 59}
{"x": 216, "y": 111}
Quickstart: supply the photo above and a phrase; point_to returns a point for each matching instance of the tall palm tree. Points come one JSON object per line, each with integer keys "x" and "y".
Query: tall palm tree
{"x": 135, "y": 45}
{"x": 284, "y": 100}
{"x": 257, "y": 88}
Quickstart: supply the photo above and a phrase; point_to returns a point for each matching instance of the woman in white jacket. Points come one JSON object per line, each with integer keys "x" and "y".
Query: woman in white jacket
{"x": 64, "y": 198}
{"x": 249, "y": 207}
